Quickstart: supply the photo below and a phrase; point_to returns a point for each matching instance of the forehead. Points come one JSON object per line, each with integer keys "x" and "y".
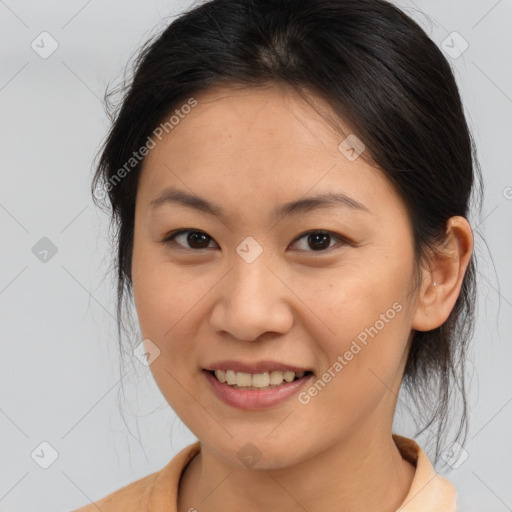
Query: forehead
{"x": 258, "y": 121}
{"x": 268, "y": 145}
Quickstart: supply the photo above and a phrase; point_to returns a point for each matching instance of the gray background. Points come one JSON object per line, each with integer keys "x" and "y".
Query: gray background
{"x": 60, "y": 377}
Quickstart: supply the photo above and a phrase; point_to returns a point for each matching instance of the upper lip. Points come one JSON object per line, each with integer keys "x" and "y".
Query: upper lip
{"x": 255, "y": 367}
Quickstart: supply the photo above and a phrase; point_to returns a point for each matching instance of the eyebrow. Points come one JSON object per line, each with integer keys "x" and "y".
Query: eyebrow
{"x": 303, "y": 205}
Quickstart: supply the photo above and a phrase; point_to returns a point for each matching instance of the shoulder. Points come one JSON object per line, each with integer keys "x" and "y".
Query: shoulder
{"x": 429, "y": 492}
{"x": 159, "y": 488}
{"x": 129, "y": 498}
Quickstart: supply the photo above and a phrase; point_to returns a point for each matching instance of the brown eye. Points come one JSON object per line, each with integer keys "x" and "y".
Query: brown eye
{"x": 318, "y": 240}
{"x": 189, "y": 239}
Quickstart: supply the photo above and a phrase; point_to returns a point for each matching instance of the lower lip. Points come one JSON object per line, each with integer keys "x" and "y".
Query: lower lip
{"x": 253, "y": 399}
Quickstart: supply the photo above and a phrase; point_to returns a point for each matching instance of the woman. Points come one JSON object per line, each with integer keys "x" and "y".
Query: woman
{"x": 290, "y": 184}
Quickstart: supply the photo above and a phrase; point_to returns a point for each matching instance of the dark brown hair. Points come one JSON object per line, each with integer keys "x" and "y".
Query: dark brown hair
{"x": 381, "y": 75}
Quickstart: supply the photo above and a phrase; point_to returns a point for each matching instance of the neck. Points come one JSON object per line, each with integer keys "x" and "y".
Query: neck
{"x": 363, "y": 471}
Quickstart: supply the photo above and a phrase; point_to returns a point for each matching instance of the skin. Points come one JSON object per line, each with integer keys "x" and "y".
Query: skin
{"x": 249, "y": 151}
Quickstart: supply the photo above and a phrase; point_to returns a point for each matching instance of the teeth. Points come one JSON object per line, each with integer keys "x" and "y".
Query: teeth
{"x": 243, "y": 379}
{"x": 256, "y": 380}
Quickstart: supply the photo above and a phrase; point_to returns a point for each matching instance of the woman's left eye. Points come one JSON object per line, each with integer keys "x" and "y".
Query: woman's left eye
{"x": 317, "y": 241}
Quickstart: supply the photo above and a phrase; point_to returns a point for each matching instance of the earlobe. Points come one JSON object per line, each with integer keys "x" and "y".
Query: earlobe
{"x": 441, "y": 284}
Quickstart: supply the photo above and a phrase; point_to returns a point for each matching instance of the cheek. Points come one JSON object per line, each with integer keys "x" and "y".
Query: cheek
{"x": 357, "y": 301}
{"x": 165, "y": 302}
{"x": 152, "y": 294}
{"x": 368, "y": 322}
{"x": 163, "y": 294}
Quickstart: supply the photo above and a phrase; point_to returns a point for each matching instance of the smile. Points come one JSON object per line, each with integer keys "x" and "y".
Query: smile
{"x": 245, "y": 380}
{"x": 255, "y": 391}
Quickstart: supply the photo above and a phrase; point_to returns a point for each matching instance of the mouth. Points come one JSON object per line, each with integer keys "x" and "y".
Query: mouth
{"x": 257, "y": 381}
{"x": 256, "y": 391}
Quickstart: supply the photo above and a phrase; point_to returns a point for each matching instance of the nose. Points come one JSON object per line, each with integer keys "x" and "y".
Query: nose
{"x": 252, "y": 300}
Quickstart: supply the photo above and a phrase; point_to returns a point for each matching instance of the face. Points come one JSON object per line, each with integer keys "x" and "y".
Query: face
{"x": 244, "y": 277}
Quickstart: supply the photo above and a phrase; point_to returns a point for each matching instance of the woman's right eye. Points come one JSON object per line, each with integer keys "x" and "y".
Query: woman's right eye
{"x": 195, "y": 239}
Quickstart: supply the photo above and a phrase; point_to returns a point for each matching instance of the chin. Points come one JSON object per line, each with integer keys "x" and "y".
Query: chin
{"x": 260, "y": 452}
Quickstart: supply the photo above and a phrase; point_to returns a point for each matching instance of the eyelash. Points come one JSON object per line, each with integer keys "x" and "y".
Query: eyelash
{"x": 170, "y": 239}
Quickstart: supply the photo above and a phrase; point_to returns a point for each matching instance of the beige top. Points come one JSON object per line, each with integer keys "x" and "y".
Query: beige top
{"x": 158, "y": 491}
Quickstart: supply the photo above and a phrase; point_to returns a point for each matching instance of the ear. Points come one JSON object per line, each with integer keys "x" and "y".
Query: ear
{"x": 441, "y": 284}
